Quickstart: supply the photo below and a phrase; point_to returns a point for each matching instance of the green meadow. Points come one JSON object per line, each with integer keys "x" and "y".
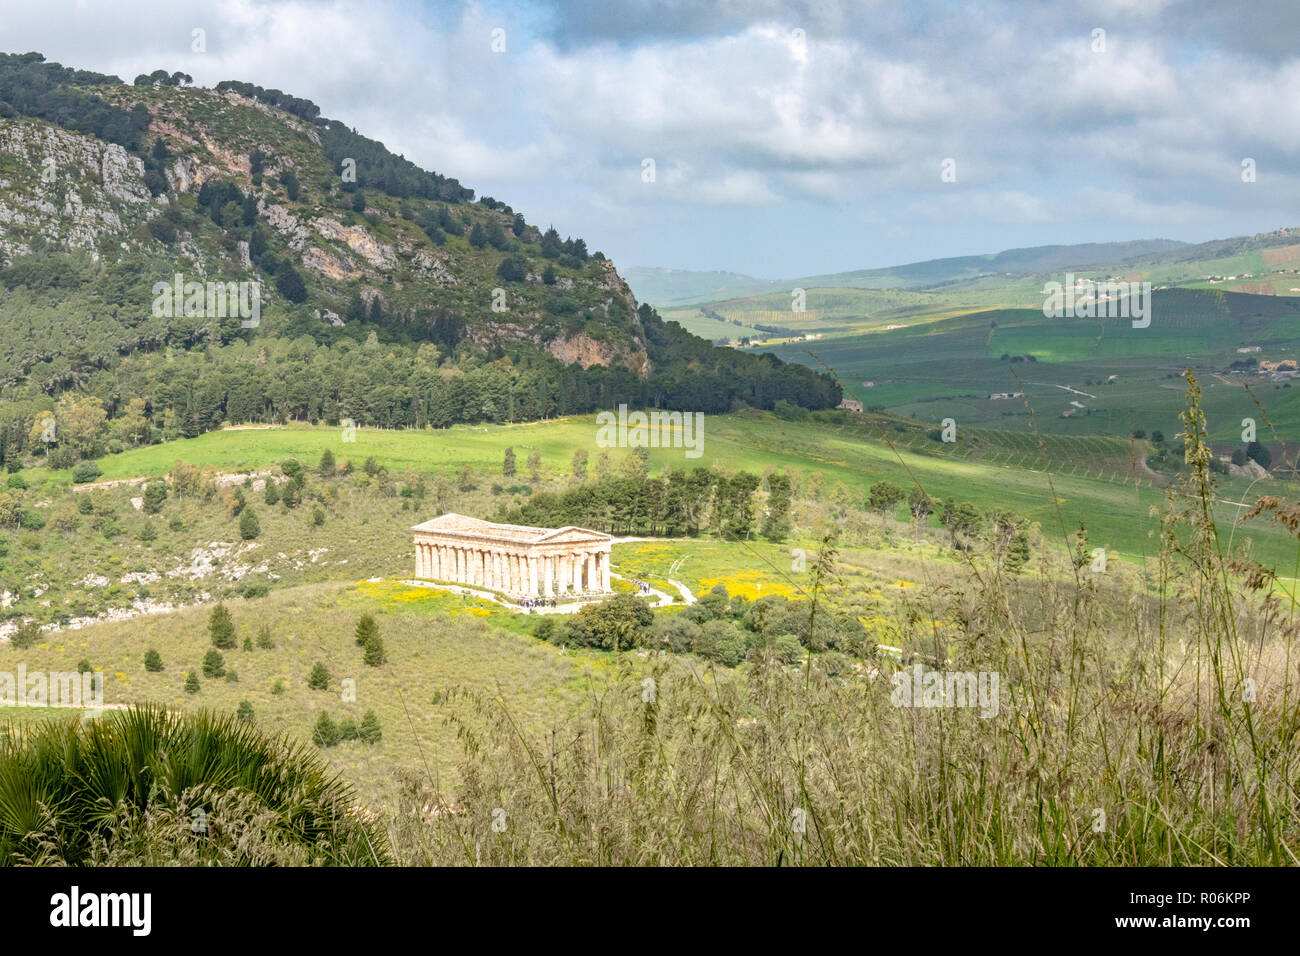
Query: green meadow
{"x": 1078, "y": 481}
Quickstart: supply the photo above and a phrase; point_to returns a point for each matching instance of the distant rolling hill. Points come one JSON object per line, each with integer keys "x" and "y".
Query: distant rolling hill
{"x": 665, "y": 288}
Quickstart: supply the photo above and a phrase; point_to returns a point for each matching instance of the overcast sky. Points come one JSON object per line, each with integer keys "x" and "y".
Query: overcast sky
{"x": 788, "y": 138}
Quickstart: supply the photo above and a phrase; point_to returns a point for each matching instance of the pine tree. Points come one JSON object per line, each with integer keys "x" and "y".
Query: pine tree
{"x": 320, "y": 677}
{"x": 192, "y": 683}
{"x": 369, "y": 730}
{"x": 155, "y": 493}
{"x": 264, "y": 640}
{"x": 326, "y": 733}
{"x": 1018, "y": 553}
{"x": 348, "y": 729}
{"x": 508, "y": 463}
{"x": 153, "y": 660}
{"x": 374, "y": 655}
{"x": 249, "y": 526}
{"x": 326, "y": 464}
{"x": 245, "y": 711}
{"x": 221, "y": 628}
{"x": 272, "y": 493}
{"x": 214, "y": 665}
{"x": 366, "y": 629}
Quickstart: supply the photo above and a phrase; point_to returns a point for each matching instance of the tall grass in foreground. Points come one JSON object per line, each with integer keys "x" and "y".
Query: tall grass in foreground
{"x": 152, "y": 788}
{"x": 1138, "y": 725}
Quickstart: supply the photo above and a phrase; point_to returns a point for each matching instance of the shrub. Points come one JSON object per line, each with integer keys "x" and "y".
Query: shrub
{"x": 245, "y": 711}
{"x": 675, "y": 632}
{"x": 155, "y": 494}
{"x": 192, "y": 683}
{"x": 326, "y": 733}
{"x": 27, "y": 634}
{"x": 788, "y": 649}
{"x": 264, "y": 639}
{"x": 214, "y": 665}
{"x": 85, "y": 471}
{"x": 221, "y": 628}
{"x": 374, "y": 655}
{"x": 722, "y": 642}
{"x": 369, "y": 731}
{"x": 348, "y": 729}
{"x": 366, "y": 629}
{"x": 319, "y": 678}
{"x": 298, "y": 813}
{"x": 618, "y": 622}
{"x": 249, "y": 526}
{"x": 153, "y": 661}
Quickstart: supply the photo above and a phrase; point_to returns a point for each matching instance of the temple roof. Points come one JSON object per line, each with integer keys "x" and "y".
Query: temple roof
{"x": 453, "y": 525}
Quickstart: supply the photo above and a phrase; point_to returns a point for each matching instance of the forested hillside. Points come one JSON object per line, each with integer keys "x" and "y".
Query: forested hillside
{"x": 385, "y": 293}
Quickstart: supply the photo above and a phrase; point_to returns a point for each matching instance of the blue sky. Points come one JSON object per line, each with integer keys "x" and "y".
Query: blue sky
{"x": 788, "y": 138}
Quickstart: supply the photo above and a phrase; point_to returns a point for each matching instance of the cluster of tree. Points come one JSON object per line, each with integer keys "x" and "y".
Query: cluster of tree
{"x": 303, "y": 109}
{"x": 31, "y": 87}
{"x": 163, "y": 78}
{"x": 327, "y": 733}
{"x": 719, "y": 627}
{"x": 1253, "y": 452}
{"x": 677, "y": 503}
{"x": 185, "y": 393}
{"x": 377, "y": 168}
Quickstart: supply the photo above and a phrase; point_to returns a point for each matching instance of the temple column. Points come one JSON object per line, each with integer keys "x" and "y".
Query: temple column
{"x": 575, "y": 562}
{"x": 548, "y": 589}
{"x": 563, "y": 576}
{"x": 442, "y": 561}
{"x": 498, "y": 571}
{"x": 532, "y": 575}
{"x": 419, "y": 561}
{"x": 592, "y": 580}
{"x": 435, "y": 567}
{"x": 604, "y": 570}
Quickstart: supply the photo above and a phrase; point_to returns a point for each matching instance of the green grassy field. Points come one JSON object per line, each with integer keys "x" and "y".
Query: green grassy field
{"x": 1076, "y": 482}
{"x": 438, "y": 646}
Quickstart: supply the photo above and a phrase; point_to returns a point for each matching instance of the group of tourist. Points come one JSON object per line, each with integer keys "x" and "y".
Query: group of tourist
{"x": 529, "y": 603}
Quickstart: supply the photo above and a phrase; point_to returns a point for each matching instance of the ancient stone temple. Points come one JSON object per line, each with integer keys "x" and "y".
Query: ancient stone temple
{"x": 517, "y": 560}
